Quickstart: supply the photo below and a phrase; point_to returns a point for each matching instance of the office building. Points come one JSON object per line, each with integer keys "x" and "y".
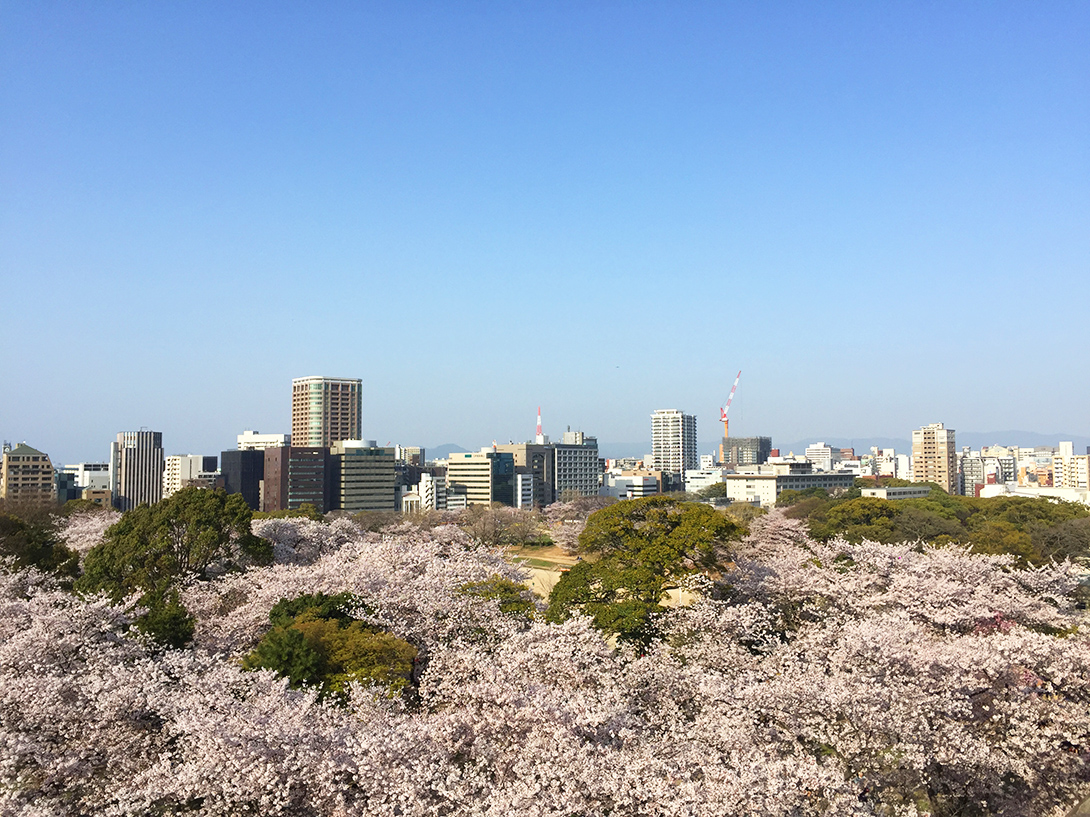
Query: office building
{"x": 294, "y": 476}
{"x": 735, "y": 451}
{"x": 630, "y": 486}
{"x": 363, "y": 477}
{"x": 26, "y": 476}
{"x": 183, "y": 470}
{"x": 576, "y": 467}
{"x": 538, "y": 461}
{"x": 94, "y": 475}
{"x": 483, "y": 477}
{"x": 821, "y": 456}
{"x": 325, "y": 410}
{"x": 935, "y": 457}
{"x": 136, "y": 469}
{"x": 765, "y": 486}
{"x": 432, "y": 491}
{"x": 243, "y": 472}
{"x": 409, "y": 454}
{"x": 673, "y": 441}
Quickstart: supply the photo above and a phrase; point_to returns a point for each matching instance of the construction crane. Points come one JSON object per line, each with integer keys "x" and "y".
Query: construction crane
{"x": 723, "y": 411}
{"x": 726, "y": 423}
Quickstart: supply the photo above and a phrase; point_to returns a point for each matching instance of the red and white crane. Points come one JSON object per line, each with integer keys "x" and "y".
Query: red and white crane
{"x": 723, "y": 411}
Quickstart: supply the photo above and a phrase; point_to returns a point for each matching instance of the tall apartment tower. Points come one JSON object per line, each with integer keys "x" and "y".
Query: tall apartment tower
{"x": 935, "y": 457}
{"x": 673, "y": 441}
{"x": 136, "y": 469}
{"x": 325, "y": 410}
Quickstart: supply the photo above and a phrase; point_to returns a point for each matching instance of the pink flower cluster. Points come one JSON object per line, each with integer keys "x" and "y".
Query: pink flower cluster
{"x": 808, "y": 679}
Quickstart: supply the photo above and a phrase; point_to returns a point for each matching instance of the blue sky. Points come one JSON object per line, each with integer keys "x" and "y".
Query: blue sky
{"x": 880, "y": 213}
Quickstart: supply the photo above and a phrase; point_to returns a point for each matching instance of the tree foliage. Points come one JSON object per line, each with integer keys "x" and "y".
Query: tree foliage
{"x": 34, "y": 543}
{"x": 152, "y": 549}
{"x": 315, "y": 641}
{"x": 1036, "y": 530}
{"x": 635, "y": 551}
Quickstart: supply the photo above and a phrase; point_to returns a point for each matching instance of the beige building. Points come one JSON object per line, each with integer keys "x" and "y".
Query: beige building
{"x": 26, "y": 476}
{"x": 1070, "y": 470}
{"x": 934, "y": 457}
{"x": 325, "y": 410}
{"x": 483, "y": 477}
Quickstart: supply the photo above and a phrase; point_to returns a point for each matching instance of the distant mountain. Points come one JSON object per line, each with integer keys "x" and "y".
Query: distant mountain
{"x": 443, "y": 451}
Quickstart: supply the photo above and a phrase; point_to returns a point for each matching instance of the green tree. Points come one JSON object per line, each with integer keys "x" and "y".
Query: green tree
{"x": 515, "y": 599}
{"x": 153, "y": 548}
{"x": 33, "y": 542}
{"x": 315, "y": 641}
{"x": 637, "y": 550}
{"x": 713, "y": 491}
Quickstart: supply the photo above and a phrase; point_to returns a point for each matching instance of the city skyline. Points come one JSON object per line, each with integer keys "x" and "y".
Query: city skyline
{"x": 863, "y": 208}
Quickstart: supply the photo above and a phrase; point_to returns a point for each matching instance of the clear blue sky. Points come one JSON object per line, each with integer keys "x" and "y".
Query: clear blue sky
{"x": 879, "y": 212}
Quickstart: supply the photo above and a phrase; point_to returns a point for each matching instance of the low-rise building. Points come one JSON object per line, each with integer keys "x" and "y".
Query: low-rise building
{"x": 765, "y": 488}
{"x": 631, "y": 485}
{"x": 898, "y": 492}
{"x": 696, "y": 481}
{"x": 252, "y": 441}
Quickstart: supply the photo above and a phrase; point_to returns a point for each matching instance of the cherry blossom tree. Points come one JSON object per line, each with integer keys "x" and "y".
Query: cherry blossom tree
{"x": 808, "y": 679}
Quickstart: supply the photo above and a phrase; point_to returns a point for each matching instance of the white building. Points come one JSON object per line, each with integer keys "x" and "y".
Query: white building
{"x": 93, "y": 475}
{"x": 765, "y": 488}
{"x": 252, "y": 441}
{"x": 1070, "y": 470}
{"x": 673, "y": 441}
{"x": 524, "y": 491}
{"x": 432, "y": 491}
{"x": 629, "y": 486}
{"x": 186, "y": 469}
{"x": 821, "y": 456}
{"x": 904, "y": 492}
{"x": 704, "y": 478}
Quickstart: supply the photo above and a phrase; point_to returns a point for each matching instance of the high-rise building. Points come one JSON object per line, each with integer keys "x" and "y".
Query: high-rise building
{"x": 136, "y": 469}
{"x": 26, "y": 476}
{"x": 243, "y": 473}
{"x": 935, "y": 457}
{"x": 734, "y": 451}
{"x": 325, "y": 410}
{"x": 673, "y": 441}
